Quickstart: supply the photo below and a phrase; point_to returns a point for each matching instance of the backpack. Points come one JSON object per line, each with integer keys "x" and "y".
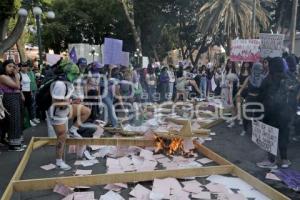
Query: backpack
{"x": 284, "y": 98}
{"x": 43, "y": 96}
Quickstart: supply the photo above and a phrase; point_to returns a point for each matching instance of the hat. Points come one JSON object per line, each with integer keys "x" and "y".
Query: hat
{"x": 82, "y": 61}
{"x": 61, "y": 90}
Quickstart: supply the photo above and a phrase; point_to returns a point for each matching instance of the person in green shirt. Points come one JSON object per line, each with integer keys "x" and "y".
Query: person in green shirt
{"x": 33, "y": 89}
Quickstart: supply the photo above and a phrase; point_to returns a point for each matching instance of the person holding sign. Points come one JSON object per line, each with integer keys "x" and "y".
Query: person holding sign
{"x": 277, "y": 111}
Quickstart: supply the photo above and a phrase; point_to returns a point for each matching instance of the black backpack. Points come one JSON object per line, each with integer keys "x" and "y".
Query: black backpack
{"x": 43, "y": 97}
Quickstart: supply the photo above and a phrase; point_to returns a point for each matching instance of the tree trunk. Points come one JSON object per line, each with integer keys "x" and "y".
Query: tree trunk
{"x": 155, "y": 53}
{"x": 14, "y": 36}
{"x": 293, "y": 26}
{"x": 278, "y": 28}
{"x": 136, "y": 34}
{"x": 21, "y": 49}
{"x": 3, "y": 28}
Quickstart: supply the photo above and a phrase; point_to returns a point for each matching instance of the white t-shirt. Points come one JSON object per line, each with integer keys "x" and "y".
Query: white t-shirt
{"x": 25, "y": 82}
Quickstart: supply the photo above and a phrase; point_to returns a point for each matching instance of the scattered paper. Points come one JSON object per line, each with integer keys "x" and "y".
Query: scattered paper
{"x": 48, "y": 167}
{"x": 84, "y": 195}
{"x": 202, "y": 195}
{"x": 231, "y": 197}
{"x": 62, "y": 189}
{"x": 217, "y": 188}
{"x": 140, "y": 192}
{"x": 111, "y": 196}
{"x": 273, "y": 177}
{"x": 204, "y": 161}
{"x": 83, "y": 172}
{"x": 69, "y": 197}
{"x": 146, "y": 154}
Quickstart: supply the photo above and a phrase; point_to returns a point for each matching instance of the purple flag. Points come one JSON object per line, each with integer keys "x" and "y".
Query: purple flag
{"x": 73, "y": 55}
{"x": 290, "y": 177}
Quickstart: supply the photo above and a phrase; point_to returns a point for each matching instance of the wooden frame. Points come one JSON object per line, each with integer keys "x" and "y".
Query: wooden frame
{"x": 225, "y": 167}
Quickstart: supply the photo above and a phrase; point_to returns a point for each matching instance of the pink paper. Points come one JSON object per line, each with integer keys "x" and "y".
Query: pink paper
{"x": 272, "y": 176}
{"x": 162, "y": 186}
{"x": 125, "y": 162}
{"x": 216, "y": 188}
{"x": 48, "y": 167}
{"x": 188, "y": 145}
{"x": 204, "y": 161}
{"x": 192, "y": 188}
{"x": 69, "y": 197}
{"x": 140, "y": 192}
{"x": 202, "y": 195}
{"x": 113, "y": 187}
{"x": 147, "y": 155}
{"x": 83, "y": 172}
{"x": 62, "y": 189}
{"x": 84, "y": 195}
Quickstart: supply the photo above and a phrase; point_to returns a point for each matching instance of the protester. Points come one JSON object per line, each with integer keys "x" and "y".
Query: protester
{"x": 33, "y": 89}
{"x": 250, "y": 91}
{"x": 203, "y": 81}
{"x": 218, "y": 80}
{"x": 151, "y": 81}
{"x": 27, "y": 93}
{"x": 10, "y": 87}
{"x": 172, "y": 80}
{"x": 277, "y": 111}
{"x": 164, "y": 84}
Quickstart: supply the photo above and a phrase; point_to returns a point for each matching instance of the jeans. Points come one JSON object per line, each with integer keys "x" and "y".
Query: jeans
{"x": 171, "y": 90}
{"x": 151, "y": 91}
{"x": 164, "y": 91}
{"x": 203, "y": 86}
{"x": 110, "y": 110}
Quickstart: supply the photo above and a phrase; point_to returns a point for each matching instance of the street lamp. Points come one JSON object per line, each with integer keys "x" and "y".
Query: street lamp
{"x": 138, "y": 54}
{"x": 93, "y": 53}
{"x": 37, "y": 12}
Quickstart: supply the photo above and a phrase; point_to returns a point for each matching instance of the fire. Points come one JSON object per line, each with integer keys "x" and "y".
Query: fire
{"x": 176, "y": 146}
{"x": 170, "y": 146}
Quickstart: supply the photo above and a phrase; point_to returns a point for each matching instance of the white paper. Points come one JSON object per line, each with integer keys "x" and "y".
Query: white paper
{"x": 111, "y": 196}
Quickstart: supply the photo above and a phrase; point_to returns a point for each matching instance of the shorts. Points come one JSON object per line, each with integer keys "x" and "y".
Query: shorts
{"x": 59, "y": 115}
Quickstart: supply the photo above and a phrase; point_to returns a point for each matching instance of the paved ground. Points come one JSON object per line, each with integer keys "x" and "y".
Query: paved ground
{"x": 239, "y": 150}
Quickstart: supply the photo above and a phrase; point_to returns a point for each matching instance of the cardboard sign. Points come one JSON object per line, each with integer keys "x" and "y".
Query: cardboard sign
{"x": 124, "y": 59}
{"x": 265, "y": 136}
{"x": 52, "y": 58}
{"x": 271, "y": 45}
{"x": 112, "y": 51}
{"x": 245, "y": 50}
{"x": 145, "y": 62}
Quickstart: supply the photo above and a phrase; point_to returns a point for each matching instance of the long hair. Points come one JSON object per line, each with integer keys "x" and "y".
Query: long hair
{"x": 243, "y": 68}
{"x": 3, "y": 66}
{"x": 233, "y": 70}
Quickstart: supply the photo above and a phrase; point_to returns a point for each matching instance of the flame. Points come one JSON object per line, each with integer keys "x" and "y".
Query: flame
{"x": 169, "y": 146}
{"x": 175, "y": 146}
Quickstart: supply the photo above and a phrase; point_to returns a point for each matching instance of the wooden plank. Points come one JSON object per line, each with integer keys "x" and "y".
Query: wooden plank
{"x": 212, "y": 124}
{"x": 102, "y": 141}
{"x": 8, "y": 192}
{"x": 19, "y": 171}
{"x": 101, "y": 179}
{"x": 259, "y": 185}
{"x": 211, "y": 155}
{"x": 39, "y": 144}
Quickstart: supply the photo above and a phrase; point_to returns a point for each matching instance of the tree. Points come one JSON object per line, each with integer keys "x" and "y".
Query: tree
{"x": 10, "y": 7}
{"x": 233, "y": 17}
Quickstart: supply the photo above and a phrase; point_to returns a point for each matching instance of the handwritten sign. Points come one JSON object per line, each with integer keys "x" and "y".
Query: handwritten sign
{"x": 271, "y": 45}
{"x": 265, "y": 136}
{"x": 145, "y": 62}
{"x": 245, "y": 50}
{"x": 52, "y": 58}
{"x": 124, "y": 59}
{"x": 112, "y": 51}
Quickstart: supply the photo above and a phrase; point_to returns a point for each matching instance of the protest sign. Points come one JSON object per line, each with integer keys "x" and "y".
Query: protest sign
{"x": 145, "y": 62}
{"x": 271, "y": 45}
{"x": 265, "y": 136}
{"x": 52, "y": 58}
{"x": 112, "y": 51}
{"x": 124, "y": 59}
{"x": 245, "y": 50}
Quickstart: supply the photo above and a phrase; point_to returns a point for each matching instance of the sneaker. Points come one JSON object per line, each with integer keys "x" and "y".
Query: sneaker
{"x": 285, "y": 164}
{"x": 231, "y": 125}
{"x": 267, "y": 165}
{"x": 88, "y": 156}
{"x": 243, "y": 133}
{"x": 36, "y": 120}
{"x": 16, "y": 148}
{"x": 32, "y": 123}
{"x": 74, "y": 134}
{"x": 64, "y": 166}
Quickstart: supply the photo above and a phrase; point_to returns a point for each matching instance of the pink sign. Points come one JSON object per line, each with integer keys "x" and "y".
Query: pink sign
{"x": 245, "y": 50}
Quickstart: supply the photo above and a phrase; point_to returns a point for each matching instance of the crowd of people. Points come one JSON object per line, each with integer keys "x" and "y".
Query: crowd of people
{"x": 67, "y": 91}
